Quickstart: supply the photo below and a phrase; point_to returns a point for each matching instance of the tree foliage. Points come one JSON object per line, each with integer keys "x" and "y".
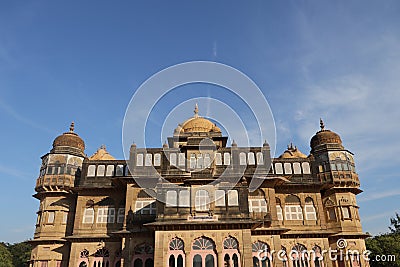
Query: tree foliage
{"x": 386, "y": 245}
{"x": 21, "y": 253}
{"x": 5, "y": 256}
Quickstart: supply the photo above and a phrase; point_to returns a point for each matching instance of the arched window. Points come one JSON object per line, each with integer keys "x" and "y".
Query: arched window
{"x": 293, "y": 210}
{"x": 309, "y": 210}
{"x": 251, "y": 158}
{"x": 218, "y": 159}
{"x": 207, "y": 160}
{"x": 261, "y": 254}
{"x": 101, "y": 258}
{"x": 148, "y": 160}
{"x": 143, "y": 256}
{"x": 202, "y": 200}
{"x": 176, "y": 254}
{"x": 231, "y": 252}
{"x": 203, "y": 253}
{"x": 299, "y": 256}
{"x": 317, "y": 257}
{"x": 242, "y": 158}
{"x": 227, "y": 158}
{"x": 260, "y": 158}
{"x": 139, "y": 160}
{"x": 157, "y": 159}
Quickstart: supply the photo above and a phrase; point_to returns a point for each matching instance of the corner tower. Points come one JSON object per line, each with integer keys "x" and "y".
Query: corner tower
{"x": 58, "y": 173}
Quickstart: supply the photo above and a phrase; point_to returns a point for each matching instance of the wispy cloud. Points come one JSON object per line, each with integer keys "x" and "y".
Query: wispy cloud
{"x": 22, "y": 119}
{"x": 379, "y": 195}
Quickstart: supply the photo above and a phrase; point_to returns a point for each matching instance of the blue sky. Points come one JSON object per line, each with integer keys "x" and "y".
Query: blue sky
{"x": 83, "y": 60}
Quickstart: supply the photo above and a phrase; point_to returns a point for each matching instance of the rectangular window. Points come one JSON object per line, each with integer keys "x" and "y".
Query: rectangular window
{"x": 157, "y": 159}
{"x": 101, "y": 170}
{"x": 278, "y": 168}
{"x": 293, "y": 212}
{"x": 310, "y": 213}
{"x": 260, "y": 158}
{"x": 139, "y": 160}
{"x": 220, "y": 198}
{"x": 171, "y": 199}
{"x": 65, "y": 217}
{"x": 184, "y": 198}
{"x": 50, "y": 217}
{"x": 145, "y": 207}
{"x": 257, "y": 205}
{"x": 49, "y": 170}
{"x": 121, "y": 215}
{"x": 172, "y": 159}
{"x": 218, "y": 159}
{"x": 110, "y": 170}
{"x": 333, "y": 166}
{"x": 207, "y": 160}
{"x": 181, "y": 159}
{"x": 102, "y": 215}
{"x": 233, "y": 198}
{"x": 148, "y": 160}
{"x": 119, "y": 170}
{"x": 88, "y": 215}
{"x": 346, "y": 212}
{"x": 279, "y": 212}
{"x": 192, "y": 161}
{"x": 288, "y": 168}
{"x": 227, "y": 159}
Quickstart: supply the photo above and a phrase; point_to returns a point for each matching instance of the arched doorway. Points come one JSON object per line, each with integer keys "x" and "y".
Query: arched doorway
{"x": 261, "y": 254}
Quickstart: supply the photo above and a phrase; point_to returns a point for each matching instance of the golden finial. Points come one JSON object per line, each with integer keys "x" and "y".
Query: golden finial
{"x": 322, "y": 125}
{"x": 72, "y": 127}
{"x": 196, "y": 111}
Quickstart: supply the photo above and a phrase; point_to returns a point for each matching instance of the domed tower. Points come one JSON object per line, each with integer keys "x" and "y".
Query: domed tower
{"x": 335, "y": 169}
{"x": 58, "y": 172}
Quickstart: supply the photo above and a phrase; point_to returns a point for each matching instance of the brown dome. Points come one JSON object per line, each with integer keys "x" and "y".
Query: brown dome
{"x": 325, "y": 137}
{"x": 197, "y": 124}
{"x": 69, "y": 139}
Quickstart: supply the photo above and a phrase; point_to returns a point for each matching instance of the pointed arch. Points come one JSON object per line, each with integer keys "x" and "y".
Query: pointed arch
{"x": 176, "y": 253}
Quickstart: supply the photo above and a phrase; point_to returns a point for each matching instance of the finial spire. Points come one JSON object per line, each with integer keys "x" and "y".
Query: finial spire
{"x": 196, "y": 111}
{"x": 72, "y": 127}
{"x": 322, "y": 125}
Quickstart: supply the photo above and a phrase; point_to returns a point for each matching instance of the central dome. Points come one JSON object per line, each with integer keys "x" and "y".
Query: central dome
{"x": 197, "y": 124}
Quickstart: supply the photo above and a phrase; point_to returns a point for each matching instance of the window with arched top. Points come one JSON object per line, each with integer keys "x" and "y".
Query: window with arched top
{"x": 251, "y": 158}
{"x": 317, "y": 257}
{"x": 299, "y": 256}
{"x": 261, "y": 254}
{"x": 143, "y": 256}
{"x": 202, "y": 200}
{"x": 309, "y": 210}
{"x": 293, "y": 210}
{"x": 176, "y": 255}
{"x": 172, "y": 159}
{"x": 231, "y": 252}
{"x": 227, "y": 158}
{"x": 260, "y": 158}
{"x": 203, "y": 253}
{"x": 101, "y": 258}
{"x": 242, "y": 158}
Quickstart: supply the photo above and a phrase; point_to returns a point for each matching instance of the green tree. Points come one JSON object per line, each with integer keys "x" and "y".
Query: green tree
{"x": 21, "y": 253}
{"x": 5, "y": 256}
{"x": 395, "y": 222}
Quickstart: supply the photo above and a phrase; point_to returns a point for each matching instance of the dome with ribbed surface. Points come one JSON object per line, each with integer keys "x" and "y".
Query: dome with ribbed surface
{"x": 324, "y": 137}
{"x": 69, "y": 140}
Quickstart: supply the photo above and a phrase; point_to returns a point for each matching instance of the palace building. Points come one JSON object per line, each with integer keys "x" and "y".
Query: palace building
{"x": 189, "y": 203}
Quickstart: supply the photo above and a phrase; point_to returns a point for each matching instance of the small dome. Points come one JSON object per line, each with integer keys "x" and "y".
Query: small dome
{"x": 197, "y": 124}
{"x": 324, "y": 137}
{"x": 102, "y": 154}
{"x": 292, "y": 152}
{"x": 69, "y": 139}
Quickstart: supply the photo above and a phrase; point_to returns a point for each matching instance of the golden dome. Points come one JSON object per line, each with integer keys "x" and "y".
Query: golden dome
{"x": 101, "y": 154}
{"x": 292, "y": 152}
{"x": 197, "y": 124}
{"x": 325, "y": 137}
{"x": 69, "y": 139}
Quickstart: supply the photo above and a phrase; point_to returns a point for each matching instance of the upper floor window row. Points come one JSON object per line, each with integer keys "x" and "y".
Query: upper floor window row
{"x": 292, "y": 168}
{"x": 107, "y": 170}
